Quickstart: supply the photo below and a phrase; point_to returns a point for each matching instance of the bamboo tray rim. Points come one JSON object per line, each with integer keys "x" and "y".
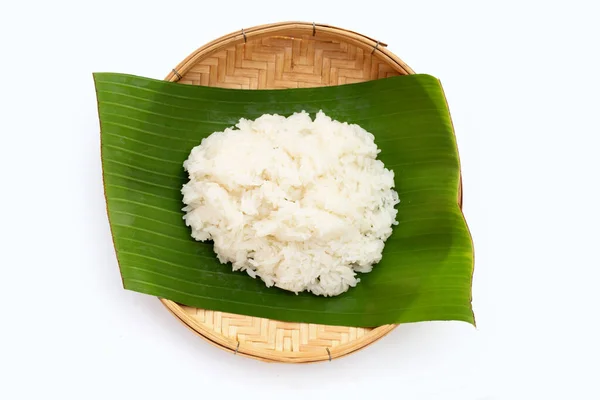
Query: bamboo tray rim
{"x": 250, "y": 351}
{"x": 243, "y": 35}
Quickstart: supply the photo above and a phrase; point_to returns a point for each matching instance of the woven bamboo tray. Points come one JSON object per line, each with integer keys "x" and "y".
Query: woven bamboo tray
{"x": 274, "y": 56}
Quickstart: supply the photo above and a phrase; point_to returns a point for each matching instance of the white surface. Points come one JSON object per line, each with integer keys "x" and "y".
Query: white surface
{"x": 522, "y": 83}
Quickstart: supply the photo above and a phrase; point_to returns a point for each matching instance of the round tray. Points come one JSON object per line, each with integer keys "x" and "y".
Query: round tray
{"x": 278, "y": 56}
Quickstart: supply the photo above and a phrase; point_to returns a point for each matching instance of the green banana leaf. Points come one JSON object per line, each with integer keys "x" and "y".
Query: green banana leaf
{"x": 148, "y": 128}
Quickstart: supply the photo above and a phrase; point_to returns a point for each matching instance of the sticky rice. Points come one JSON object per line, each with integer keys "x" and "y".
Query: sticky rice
{"x": 302, "y": 204}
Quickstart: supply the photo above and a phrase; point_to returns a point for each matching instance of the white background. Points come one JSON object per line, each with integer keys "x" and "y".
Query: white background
{"x": 522, "y": 81}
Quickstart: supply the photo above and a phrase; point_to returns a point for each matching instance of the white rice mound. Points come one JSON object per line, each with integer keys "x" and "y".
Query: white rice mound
{"x": 301, "y": 204}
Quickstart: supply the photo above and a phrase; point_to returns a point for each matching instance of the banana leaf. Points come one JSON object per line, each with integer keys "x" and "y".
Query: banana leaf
{"x": 148, "y": 127}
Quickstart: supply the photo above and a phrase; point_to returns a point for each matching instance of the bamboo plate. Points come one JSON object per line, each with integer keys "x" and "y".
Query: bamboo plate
{"x": 274, "y": 56}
